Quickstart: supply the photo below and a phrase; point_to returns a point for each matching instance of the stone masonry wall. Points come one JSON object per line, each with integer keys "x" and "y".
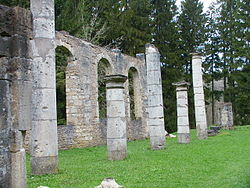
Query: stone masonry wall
{"x": 15, "y": 93}
{"x": 84, "y": 128}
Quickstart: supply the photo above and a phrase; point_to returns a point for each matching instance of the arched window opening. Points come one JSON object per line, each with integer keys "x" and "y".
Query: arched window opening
{"x": 103, "y": 69}
{"x": 134, "y": 94}
{"x": 63, "y": 56}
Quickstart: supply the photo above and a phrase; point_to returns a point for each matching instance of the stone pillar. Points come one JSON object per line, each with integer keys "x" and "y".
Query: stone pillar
{"x": 44, "y": 146}
{"x": 199, "y": 101}
{"x": 155, "y": 101}
{"x": 116, "y": 118}
{"x": 183, "y": 131}
{"x": 226, "y": 115}
{"x": 15, "y": 93}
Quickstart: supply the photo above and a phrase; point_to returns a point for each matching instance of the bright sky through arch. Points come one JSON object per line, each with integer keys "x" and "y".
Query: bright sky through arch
{"x": 206, "y": 3}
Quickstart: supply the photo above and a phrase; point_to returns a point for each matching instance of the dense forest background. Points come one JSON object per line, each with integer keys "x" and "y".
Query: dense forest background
{"x": 222, "y": 34}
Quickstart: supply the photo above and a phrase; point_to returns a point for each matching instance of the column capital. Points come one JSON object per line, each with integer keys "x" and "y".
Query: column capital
{"x": 196, "y": 55}
{"x": 181, "y": 86}
{"x": 115, "y": 81}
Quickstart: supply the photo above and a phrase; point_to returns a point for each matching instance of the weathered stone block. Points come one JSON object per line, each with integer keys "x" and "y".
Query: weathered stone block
{"x": 183, "y": 138}
{"x": 183, "y": 129}
{"x": 16, "y": 142}
{"x": 116, "y": 128}
{"x": 20, "y": 47}
{"x": 44, "y": 165}
{"x": 18, "y": 169}
{"x": 157, "y": 142}
{"x": 154, "y": 90}
{"x": 157, "y": 130}
{"x": 43, "y": 136}
{"x": 44, "y": 105}
{"x": 43, "y": 71}
{"x": 115, "y": 109}
{"x": 182, "y": 111}
{"x": 5, "y": 117}
{"x": 155, "y": 121}
{"x": 155, "y": 100}
{"x": 43, "y": 48}
{"x": 44, "y": 28}
{"x": 5, "y": 46}
{"x": 154, "y": 77}
{"x": 115, "y": 95}
{"x": 23, "y": 105}
{"x": 182, "y": 121}
{"x": 15, "y": 21}
{"x": 20, "y": 69}
{"x": 44, "y": 8}
{"x": 155, "y": 112}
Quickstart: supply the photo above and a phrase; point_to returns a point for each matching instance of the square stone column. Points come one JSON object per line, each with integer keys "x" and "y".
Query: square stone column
{"x": 116, "y": 118}
{"x": 44, "y": 146}
{"x": 155, "y": 101}
{"x": 183, "y": 131}
{"x": 199, "y": 100}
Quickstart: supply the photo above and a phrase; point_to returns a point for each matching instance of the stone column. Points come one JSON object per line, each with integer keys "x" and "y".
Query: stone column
{"x": 44, "y": 146}
{"x": 183, "y": 131}
{"x": 116, "y": 118}
{"x": 199, "y": 101}
{"x": 155, "y": 101}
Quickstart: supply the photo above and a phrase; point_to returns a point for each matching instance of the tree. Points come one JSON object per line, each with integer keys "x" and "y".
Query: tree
{"x": 135, "y": 26}
{"x": 191, "y": 23}
{"x": 20, "y": 3}
{"x": 212, "y": 64}
{"x": 166, "y": 39}
{"x": 191, "y": 26}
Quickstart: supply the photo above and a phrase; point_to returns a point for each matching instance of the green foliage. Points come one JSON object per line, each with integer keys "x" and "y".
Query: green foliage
{"x": 62, "y": 57}
{"x": 20, "y": 3}
{"x": 220, "y": 161}
{"x": 131, "y": 94}
{"x": 102, "y": 70}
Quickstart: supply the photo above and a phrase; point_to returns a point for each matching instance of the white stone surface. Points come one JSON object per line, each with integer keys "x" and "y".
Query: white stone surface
{"x": 200, "y": 111}
{"x": 44, "y": 140}
{"x": 44, "y": 125}
{"x": 183, "y": 129}
{"x": 182, "y": 112}
{"x": 116, "y": 118}
{"x": 155, "y": 102}
{"x": 109, "y": 183}
{"x": 115, "y": 108}
{"x": 116, "y": 128}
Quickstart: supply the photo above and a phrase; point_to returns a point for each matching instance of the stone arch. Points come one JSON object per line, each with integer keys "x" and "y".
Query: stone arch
{"x": 103, "y": 68}
{"x": 134, "y": 87}
{"x": 64, "y": 57}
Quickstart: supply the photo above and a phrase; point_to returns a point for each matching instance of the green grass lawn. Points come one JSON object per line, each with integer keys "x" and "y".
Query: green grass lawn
{"x": 218, "y": 162}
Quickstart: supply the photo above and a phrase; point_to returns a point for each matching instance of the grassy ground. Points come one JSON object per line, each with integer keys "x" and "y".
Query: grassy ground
{"x": 222, "y": 161}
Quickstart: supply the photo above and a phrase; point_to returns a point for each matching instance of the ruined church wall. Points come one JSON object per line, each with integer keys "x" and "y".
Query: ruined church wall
{"x": 15, "y": 93}
{"x": 84, "y": 128}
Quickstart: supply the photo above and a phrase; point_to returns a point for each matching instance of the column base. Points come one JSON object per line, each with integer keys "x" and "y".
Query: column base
{"x": 183, "y": 138}
{"x": 202, "y": 135}
{"x": 44, "y": 165}
{"x": 157, "y": 143}
{"x": 117, "y": 155}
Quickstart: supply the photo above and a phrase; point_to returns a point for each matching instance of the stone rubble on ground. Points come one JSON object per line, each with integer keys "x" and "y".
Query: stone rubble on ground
{"x": 109, "y": 183}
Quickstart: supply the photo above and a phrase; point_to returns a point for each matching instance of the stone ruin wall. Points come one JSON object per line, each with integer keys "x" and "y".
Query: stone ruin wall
{"x": 84, "y": 128}
{"x": 15, "y": 93}
{"x": 223, "y": 112}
